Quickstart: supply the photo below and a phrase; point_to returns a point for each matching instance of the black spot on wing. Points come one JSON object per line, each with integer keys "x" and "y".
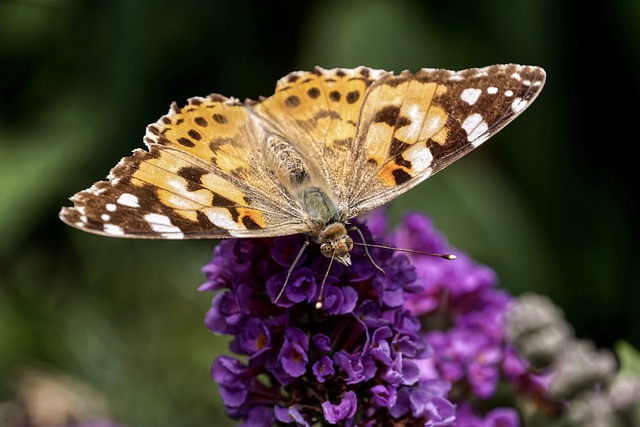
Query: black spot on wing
{"x": 193, "y": 176}
{"x": 219, "y": 118}
{"x": 353, "y": 96}
{"x": 313, "y": 93}
{"x": 194, "y": 134}
{"x": 400, "y": 176}
{"x": 248, "y": 222}
{"x": 388, "y": 115}
{"x": 292, "y": 101}
{"x": 186, "y": 142}
{"x": 201, "y": 121}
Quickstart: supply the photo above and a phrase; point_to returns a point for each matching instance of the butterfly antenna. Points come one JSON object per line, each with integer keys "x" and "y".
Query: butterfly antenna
{"x": 366, "y": 249}
{"x": 324, "y": 280}
{"x": 371, "y": 245}
{"x": 295, "y": 262}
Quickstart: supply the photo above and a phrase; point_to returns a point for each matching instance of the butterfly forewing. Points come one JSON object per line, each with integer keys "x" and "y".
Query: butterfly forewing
{"x": 220, "y": 168}
{"x": 413, "y": 125}
{"x": 203, "y": 177}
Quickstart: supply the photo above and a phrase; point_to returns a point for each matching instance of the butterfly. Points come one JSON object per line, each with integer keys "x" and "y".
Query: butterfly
{"x": 327, "y": 146}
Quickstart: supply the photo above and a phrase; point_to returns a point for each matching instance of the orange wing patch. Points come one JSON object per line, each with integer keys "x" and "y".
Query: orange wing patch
{"x": 398, "y": 118}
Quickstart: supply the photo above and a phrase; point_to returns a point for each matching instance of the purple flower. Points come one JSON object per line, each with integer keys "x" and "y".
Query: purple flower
{"x": 228, "y": 372}
{"x": 322, "y": 342}
{"x": 497, "y": 417}
{"x": 344, "y": 410}
{"x": 290, "y": 415}
{"x": 323, "y": 368}
{"x": 384, "y": 396}
{"x": 427, "y": 400}
{"x": 255, "y": 338}
{"x": 301, "y": 287}
{"x": 502, "y": 417}
{"x": 357, "y": 368}
{"x": 380, "y": 348}
{"x": 293, "y": 354}
{"x": 346, "y": 363}
{"x": 259, "y": 416}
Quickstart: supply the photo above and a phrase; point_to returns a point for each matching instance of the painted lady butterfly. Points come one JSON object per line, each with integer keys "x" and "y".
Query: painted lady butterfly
{"x": 327, "y": 146}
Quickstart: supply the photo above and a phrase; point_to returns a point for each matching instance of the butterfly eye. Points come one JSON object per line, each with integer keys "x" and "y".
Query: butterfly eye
{"x": 326, "y": 250}
{"x": 349, "y": 242}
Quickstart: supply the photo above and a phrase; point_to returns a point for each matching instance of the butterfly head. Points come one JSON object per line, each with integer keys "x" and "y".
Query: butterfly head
{"x": 335, "y": 243}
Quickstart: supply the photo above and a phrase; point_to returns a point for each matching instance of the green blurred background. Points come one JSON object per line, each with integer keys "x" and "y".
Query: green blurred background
{"x": 550, "y": 203}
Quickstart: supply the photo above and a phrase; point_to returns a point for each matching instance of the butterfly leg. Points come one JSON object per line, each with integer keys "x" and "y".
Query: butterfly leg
{"x": 324, "y": 280}
{"x": 366, "y": 250}
{"x": 295, "y": 262}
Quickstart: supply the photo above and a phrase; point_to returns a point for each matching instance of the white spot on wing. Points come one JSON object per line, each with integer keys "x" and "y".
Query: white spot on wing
{"x": 420, "y": 158}
{"x": 433, "y": 124}
{"x": 518, "y": 104}
{"x": 471, "y": 122}
{"x": 111, "y": 207}
{"x": 492, "y": 90}
{"x": 127, "y": 199}
{"x": 105, "y": 217}
{"x": 179, "y": 202}
{"x": 221, "y": 218}
{"x": 508, "y": 93}
{"x": 414, "y": 113}
{"x": 162, "y": 224}
{"x": 475, "y": 127}
{"x": 113, "y": 230}
{"x": 470, "y": 95}
{"x": 178, "y": 184}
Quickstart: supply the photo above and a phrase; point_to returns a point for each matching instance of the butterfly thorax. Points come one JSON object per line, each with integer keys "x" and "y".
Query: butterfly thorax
{"x": 328, "y": 230}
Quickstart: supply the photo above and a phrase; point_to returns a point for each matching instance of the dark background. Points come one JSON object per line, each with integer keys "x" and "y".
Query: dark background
{"x": 550, "y": 203}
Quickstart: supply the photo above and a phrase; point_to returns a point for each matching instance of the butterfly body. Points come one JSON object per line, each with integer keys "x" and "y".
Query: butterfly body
{"x": 325, "y": 220}
{"x": 327, "y": 146}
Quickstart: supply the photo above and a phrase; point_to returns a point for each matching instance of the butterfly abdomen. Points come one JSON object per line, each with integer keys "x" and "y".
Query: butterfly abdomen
{"x": 286, "y": 162}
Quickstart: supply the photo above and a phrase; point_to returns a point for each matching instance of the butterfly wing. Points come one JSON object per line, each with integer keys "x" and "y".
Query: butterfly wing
{"x": 414, "y": 125}
{"x": 202, "y": 177}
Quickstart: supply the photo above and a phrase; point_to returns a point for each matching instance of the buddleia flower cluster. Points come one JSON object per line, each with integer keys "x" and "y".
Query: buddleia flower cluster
{"x": 423, "y": 344}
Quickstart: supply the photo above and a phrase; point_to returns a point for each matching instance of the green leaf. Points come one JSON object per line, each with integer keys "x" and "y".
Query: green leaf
{"x": 629, "y": 358}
